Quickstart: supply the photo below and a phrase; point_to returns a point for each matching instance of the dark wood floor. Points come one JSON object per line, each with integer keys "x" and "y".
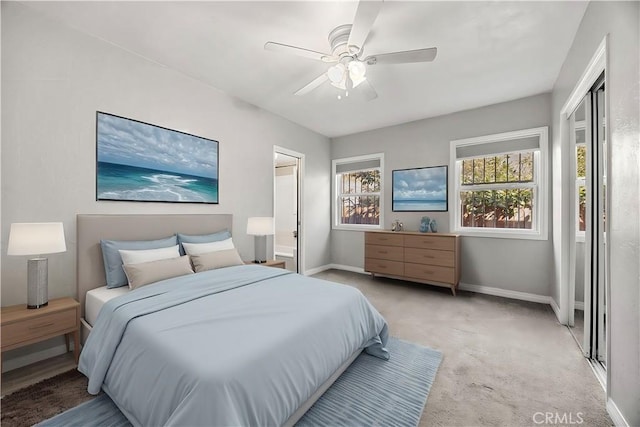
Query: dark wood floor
{"x": 31, "y": 374}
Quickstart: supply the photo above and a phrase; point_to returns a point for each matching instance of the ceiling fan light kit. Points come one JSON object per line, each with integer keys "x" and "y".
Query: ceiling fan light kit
{"x": 347, "y": 43}
{"x": 336, "y": 73}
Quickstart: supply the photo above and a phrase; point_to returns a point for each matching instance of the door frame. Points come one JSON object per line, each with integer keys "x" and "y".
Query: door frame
{"x": 301, "y": 222}
{"x": 597, "y": 66}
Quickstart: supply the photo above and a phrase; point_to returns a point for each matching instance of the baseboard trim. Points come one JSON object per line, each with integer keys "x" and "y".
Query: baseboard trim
{"x": 615, "y": 414}
{"x": 487, "y": 290}
{"x": 326, "y": 267}
{"x": 505, "y": 293}
{"x": 312, "y": 271}
{"x": 555, "y": 308}
{"x": 348, "y": 268}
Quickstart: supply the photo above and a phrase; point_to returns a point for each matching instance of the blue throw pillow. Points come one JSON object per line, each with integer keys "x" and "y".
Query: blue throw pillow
{"x": 202, "y": 238}
{"x": 113, "y": 261}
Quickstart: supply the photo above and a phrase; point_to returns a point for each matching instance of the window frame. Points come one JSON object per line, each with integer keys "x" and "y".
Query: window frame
{"x": 539, "y": 230}
{"x": 335, "y": 222}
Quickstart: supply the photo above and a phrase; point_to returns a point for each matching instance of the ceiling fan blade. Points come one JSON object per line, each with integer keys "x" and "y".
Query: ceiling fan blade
{"x": 369, "y": 92}
{"x": 306, "y": 53}
{"x": 313, "y": 84}
{"x": 408, "y": 56}
{"x": 366, "y": 14}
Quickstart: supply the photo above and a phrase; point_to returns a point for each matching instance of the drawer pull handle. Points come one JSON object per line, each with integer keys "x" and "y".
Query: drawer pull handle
{"x": 382, "y": 266}
{"x": 43, "y": 325}
{"x": 427, "y": 271}
{"x": 384, "y": 252}
{"x": 429, "y": 256}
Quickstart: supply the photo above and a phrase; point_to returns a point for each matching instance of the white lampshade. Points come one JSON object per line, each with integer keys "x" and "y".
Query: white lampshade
{"x": 36, "y": 238}
{"x": 260, "y": 226}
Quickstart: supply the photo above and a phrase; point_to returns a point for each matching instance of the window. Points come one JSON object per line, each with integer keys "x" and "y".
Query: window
{"x": 357, "y": 192}
{"x": 581, "y": 190}
{"x": 500, "y": 185}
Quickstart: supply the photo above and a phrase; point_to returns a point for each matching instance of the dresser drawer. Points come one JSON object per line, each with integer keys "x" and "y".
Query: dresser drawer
{"x": 391, "y": 253}
{"x": 49, "y": 324}
{"x": 430, "y": 242}
{"x": 384, "y": 239}
{"x": 393, "y": 268}
{"x": 430, "y": 256}
{"x": 430, "y": 273}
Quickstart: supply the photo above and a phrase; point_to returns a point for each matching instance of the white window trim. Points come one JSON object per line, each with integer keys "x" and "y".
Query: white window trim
{"x": 335, "y": 225}
{"x": 541, "y": 190}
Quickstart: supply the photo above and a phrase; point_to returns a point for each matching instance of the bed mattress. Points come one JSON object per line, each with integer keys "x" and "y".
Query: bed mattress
{"x": 96, "y": 298}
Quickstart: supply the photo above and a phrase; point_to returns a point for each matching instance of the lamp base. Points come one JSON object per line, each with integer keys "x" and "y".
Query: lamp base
{"x": 37, "y": 306}
{"x": 37, "y": 283}
{"x": 261, "y": 249}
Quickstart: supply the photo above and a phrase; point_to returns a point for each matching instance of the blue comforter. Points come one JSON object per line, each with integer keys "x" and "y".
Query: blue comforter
{"x": 238, "y": 346}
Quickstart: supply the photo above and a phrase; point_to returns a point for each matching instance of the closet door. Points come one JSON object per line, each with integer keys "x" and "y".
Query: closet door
{"x": 596, "y": 262}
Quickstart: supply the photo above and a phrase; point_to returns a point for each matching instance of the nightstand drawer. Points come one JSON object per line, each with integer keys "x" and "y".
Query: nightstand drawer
{"x": 49, "y": 324}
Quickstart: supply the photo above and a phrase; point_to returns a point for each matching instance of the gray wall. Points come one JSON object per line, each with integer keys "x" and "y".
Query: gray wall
{"x": 510, "y": 264}
{"x": 53, "y": 81}
{"x": 620, "y": 20}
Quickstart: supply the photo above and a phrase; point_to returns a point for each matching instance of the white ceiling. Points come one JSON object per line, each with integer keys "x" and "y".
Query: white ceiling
{"x": 488, "y": 52}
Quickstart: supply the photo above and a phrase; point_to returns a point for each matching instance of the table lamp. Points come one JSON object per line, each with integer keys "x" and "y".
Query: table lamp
{"x": 36, "y": 238}
{"x": 260, "y": 227}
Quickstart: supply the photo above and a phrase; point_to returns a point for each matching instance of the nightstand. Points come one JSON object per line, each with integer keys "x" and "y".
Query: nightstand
{"x": 270, "y": 263}
{"x": 21, "y": 326}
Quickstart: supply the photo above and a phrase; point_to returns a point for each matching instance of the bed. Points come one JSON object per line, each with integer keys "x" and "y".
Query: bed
{"x": 241, "y": 345}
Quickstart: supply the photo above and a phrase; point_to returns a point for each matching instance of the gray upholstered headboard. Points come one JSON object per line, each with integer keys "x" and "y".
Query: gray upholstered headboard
{"x": 92, "y": 228}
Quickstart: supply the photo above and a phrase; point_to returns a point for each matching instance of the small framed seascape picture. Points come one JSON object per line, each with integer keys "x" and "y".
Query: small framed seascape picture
{"x": 137, "y": 161}
{"x": 420, "y": 189}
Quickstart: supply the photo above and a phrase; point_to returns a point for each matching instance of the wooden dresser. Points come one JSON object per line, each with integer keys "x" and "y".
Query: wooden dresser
{"x": 431, "y": 258}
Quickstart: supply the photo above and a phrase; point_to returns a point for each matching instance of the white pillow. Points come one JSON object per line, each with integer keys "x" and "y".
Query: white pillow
{"x": 136, "y": 257}
{"x": 205, "y": 248}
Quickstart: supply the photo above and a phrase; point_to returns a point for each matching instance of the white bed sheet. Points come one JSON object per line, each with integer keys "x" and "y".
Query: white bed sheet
{"x": 97, "y": 297}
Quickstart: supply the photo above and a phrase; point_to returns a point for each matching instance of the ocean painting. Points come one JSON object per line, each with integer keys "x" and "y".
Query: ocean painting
{"x": 137, "y": 161}
{"x": 420, "y": 189}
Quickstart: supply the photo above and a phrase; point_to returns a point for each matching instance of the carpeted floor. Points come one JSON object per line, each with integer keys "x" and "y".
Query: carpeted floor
{"x": 505, "y": 361}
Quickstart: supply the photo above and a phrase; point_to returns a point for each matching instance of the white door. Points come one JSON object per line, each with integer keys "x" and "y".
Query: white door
{"x": 288, "y": 167}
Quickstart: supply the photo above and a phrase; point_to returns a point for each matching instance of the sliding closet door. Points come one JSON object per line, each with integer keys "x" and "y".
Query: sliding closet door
{"x": 595, "y": 233}
{"x": 577, "y": 285}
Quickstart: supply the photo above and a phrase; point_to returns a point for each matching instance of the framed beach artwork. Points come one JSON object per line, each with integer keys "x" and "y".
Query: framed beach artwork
{"x": 420, "y": 189}
{"x": 137, "y": 161}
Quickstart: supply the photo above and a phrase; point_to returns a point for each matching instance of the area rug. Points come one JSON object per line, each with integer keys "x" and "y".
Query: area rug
{"x": 370, "y": 392}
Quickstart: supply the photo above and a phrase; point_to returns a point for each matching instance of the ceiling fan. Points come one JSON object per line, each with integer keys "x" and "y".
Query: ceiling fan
{"x": 347, "y": 54}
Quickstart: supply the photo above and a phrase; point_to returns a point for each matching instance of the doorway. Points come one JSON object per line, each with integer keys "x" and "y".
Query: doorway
{"x": 588, "y": 132}
{"x": 287, "y": 212}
